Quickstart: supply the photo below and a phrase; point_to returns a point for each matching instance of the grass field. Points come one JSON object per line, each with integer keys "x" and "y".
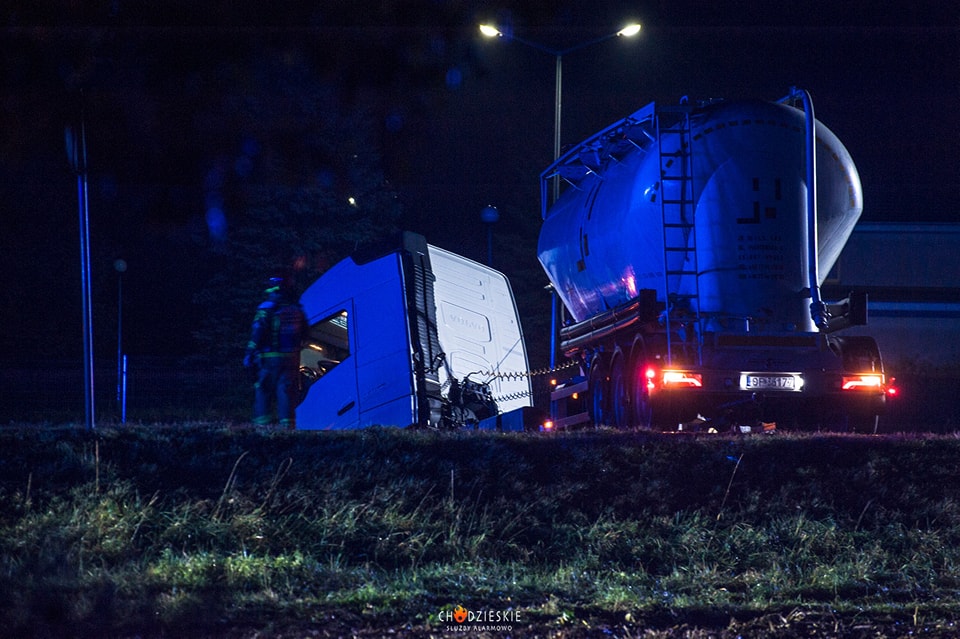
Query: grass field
{"x": 200, "y": 530}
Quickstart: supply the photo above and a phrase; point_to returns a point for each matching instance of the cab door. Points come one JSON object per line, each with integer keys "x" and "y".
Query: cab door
{"x": 328, "y": 372}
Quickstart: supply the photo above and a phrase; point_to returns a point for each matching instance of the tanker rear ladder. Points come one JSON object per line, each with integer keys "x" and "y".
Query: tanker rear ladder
{"x": 679, "y": 229}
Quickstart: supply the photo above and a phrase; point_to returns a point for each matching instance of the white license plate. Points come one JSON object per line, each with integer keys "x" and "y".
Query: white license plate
{"x": 749, "y": 381}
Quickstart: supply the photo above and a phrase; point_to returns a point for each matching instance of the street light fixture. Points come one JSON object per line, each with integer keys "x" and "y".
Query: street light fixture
{"x": 491, "y": 31}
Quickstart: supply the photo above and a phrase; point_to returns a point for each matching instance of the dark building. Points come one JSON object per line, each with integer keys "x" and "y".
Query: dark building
{"x": 911, "y": 273}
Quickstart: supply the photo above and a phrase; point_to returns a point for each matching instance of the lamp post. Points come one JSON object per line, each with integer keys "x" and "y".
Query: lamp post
{"x": 489, "y": 216}
{"x": 77, "y": 155}
{"x": 491, "y": 31}
{"x": 120, "y": 266}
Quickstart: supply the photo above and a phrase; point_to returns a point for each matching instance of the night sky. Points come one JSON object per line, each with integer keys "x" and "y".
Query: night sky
{"x": 460, "y": 121}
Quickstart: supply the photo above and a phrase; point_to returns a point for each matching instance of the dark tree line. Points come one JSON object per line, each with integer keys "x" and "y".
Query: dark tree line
{"x": 303, "y": 190}
{"x": 226, "y": 139}
{"x": 222, "y": 145}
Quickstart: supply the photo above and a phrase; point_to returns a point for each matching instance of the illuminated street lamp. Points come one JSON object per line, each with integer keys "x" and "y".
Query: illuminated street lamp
{"x": 491, "y": 31}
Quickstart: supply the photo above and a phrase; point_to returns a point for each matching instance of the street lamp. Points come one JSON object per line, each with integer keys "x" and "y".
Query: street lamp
{"x": 491, "y": 31}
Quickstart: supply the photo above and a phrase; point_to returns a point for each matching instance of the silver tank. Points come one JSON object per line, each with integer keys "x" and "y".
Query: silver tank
{"x": 603, "y": 240}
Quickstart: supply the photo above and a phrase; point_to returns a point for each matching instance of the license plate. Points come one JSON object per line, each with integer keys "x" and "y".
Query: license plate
{"x": 751, "y": 381}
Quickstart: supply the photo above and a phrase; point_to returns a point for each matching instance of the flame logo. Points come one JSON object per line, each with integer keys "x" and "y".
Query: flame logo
{"x": 460, "y": 614}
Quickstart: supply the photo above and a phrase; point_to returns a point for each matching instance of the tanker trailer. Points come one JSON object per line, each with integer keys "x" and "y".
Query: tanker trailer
{"x": 688, "y": 246}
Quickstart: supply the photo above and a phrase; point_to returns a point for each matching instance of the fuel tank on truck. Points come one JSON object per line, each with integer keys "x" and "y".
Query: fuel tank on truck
{"x": 729, "y": 179}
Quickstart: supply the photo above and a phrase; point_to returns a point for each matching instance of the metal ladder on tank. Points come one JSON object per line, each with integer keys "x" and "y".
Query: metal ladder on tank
{"x": 679, "y": 231}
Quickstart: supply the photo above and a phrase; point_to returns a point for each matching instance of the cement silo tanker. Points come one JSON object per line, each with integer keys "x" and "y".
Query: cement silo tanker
{"x": 688, "y": 244}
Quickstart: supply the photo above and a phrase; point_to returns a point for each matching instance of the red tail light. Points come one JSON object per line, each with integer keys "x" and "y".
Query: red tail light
{"x": 671, "y": 379}
{"x": 651, "y": 375}
{"x": 891, "y": 389}
{"x": 867, "y": 382}
{"x": 682, "y": 379}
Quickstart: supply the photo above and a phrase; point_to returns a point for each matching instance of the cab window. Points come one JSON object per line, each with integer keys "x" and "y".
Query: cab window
{"x": 327, "y": 344}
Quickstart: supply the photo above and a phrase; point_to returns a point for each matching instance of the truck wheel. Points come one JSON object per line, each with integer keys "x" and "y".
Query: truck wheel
{"x": 640, "y": 403}
{"x": 619, "y": 397}
{"x": 598, "y": 394}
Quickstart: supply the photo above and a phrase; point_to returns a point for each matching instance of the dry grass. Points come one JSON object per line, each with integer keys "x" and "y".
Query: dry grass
{"x": 216, "y": 530}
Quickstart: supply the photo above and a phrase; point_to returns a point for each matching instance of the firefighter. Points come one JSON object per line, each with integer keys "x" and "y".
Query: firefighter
{"x": 279, "y": 327}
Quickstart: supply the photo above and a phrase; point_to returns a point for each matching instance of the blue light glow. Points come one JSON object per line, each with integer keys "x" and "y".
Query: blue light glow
{"x": 216, "y": 224}
{"x": 454, "y": 78}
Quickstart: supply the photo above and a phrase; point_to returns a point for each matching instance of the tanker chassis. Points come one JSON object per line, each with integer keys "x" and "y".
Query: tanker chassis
{"x": 688, "y": 248}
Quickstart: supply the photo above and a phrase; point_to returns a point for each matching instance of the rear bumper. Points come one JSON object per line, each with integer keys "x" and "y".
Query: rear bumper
{"x": 819, "y": 394}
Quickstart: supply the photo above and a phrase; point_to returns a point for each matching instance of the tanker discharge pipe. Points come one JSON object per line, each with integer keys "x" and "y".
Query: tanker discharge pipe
{"x": 818, "y": 310}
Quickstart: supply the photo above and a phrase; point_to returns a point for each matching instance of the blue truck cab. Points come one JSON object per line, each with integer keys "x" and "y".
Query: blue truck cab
{"x": 401, "y": 339}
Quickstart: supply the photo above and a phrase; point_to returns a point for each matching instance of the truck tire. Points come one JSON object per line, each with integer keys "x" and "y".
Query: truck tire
{"x": 619, "y": 399}
{"x": 640, "y": 403}
{"x": 599, "y": 412}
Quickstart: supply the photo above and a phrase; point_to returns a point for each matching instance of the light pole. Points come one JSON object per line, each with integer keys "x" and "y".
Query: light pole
{"x": 77, "y": 155}
{"x": 491, "y": 31}
{"x": 120, "y": 265}
{"x": 489, "y": 216}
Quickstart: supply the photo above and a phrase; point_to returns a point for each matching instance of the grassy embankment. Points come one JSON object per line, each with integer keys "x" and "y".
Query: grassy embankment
{"x": 196, "y": 530}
